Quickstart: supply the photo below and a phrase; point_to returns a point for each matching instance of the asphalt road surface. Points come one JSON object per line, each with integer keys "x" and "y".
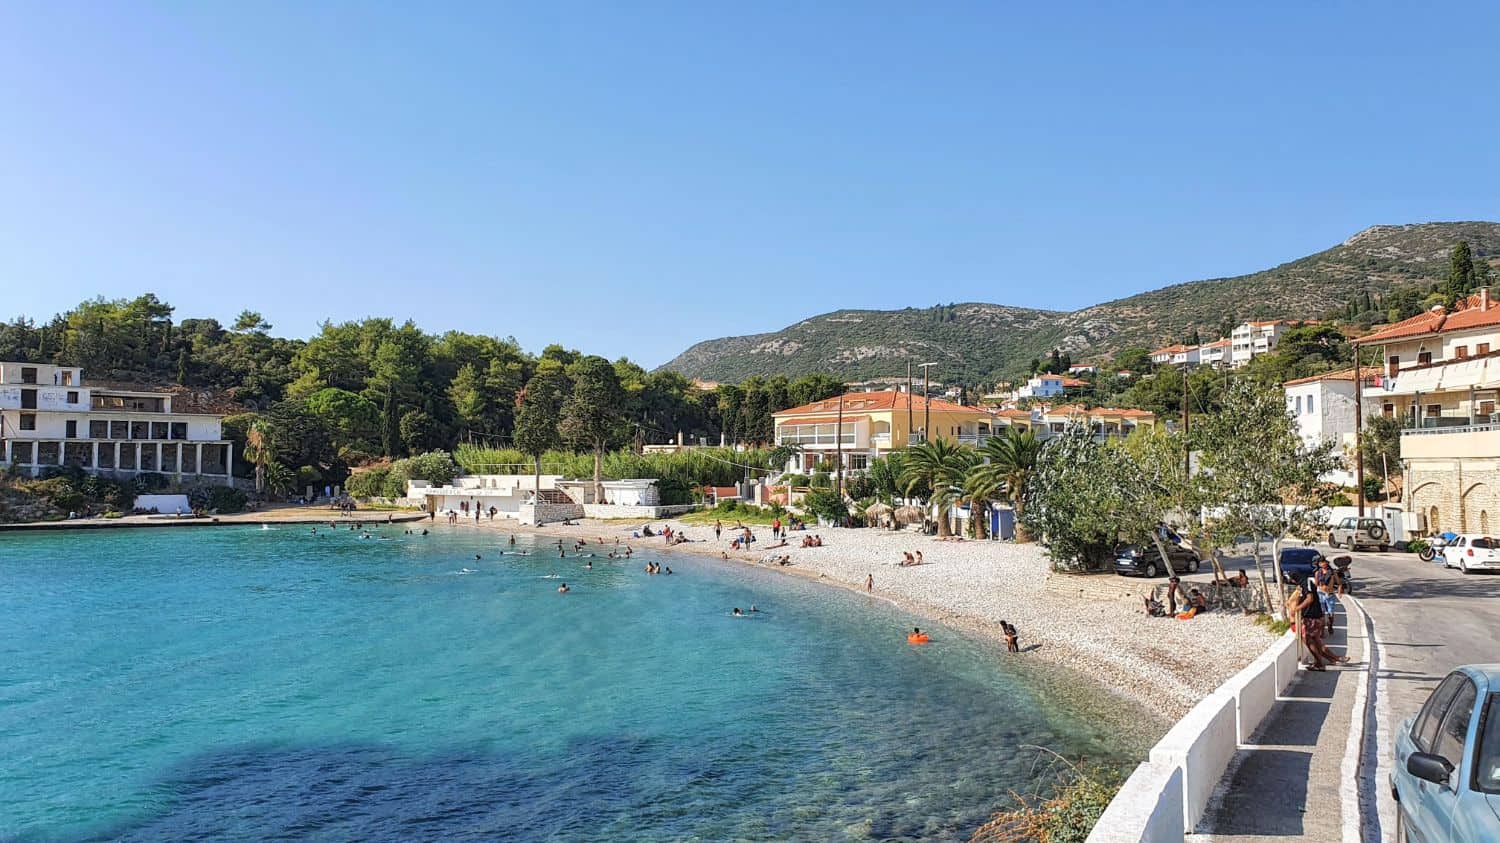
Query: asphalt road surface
{"x": 1428, "y": 620}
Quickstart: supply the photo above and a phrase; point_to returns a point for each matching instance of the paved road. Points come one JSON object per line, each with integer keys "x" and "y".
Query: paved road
{"x": 1428, "y": 620}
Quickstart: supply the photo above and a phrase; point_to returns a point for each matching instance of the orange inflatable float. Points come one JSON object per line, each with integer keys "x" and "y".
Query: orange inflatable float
{"x": 917, "y": 638}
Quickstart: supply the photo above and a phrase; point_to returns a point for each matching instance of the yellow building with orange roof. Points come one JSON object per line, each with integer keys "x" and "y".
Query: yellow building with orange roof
{"x": 860, "y": 426}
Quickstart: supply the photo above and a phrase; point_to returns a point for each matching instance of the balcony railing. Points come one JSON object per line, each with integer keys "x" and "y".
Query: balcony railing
{"x": 880, "y": 440}
{"x": 1458, "y": 426}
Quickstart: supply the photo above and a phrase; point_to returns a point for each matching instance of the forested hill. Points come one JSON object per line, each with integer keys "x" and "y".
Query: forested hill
{"x": 975, "y": 342}
{"x": 359, "y": 392}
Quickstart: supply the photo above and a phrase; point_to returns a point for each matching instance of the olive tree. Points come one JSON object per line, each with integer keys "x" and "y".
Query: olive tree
{"x": 1259, "y": 477}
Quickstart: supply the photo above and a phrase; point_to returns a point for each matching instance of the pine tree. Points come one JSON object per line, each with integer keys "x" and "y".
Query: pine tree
{"x": 1460, "y": 274}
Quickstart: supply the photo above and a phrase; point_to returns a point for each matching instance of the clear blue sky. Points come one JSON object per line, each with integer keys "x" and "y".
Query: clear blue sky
{"x": 629, "y": 178}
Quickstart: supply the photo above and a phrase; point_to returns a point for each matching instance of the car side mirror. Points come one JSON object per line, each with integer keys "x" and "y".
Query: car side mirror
{"x": 1429, "y": 767}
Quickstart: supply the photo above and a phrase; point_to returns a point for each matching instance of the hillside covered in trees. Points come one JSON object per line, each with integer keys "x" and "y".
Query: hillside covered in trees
{"x": 979, "y": 342}
{"x": 366, "y": 391}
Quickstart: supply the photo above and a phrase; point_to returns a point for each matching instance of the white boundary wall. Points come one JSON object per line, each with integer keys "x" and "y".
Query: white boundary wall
{"x": 1165, "y": 797}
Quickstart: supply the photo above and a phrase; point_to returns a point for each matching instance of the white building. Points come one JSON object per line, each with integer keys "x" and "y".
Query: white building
{"x": 1214, "y": 353}
{"x": 1441, "y": 378}
{"x": 1049, "y": 386}
{"x": 506, "y": 493}
{"x": 49, "y": 417}
{"x": 1253, "y": 339}
{"x": 1163, "y": 356}
{"x": 1324, "y": 410}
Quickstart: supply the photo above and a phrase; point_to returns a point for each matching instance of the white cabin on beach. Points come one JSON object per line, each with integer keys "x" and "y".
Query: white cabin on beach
{"x": 507, "y": 493}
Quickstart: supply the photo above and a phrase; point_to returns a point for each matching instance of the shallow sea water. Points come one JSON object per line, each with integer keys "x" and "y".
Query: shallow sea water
{"x": 240, "y": 683}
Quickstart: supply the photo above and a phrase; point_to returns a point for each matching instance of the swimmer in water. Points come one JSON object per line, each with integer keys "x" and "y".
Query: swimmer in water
{"x": 752, "y": 608}
{"x": 589, "y": 565}
{"x": 737, "y": 613}
{"x": 669, "y": 573}
{"x": 562, "y": 589}
{"x": 477, "y": 556}
{"x": 512, "y": 539}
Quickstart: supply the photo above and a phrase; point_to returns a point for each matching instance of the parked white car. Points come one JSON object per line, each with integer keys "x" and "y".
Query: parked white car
{"x": 1472, "y": 552}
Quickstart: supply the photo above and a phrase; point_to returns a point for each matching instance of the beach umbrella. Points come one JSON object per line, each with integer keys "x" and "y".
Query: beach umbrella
{"x": 909, "y": 515}
{"x": 878, "y": 510}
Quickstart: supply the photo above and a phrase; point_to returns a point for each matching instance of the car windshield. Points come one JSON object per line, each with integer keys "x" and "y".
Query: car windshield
{"x": 1487, "y": 769}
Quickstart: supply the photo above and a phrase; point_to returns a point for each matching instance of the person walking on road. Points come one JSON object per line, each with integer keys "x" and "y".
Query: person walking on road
{"x": 1329, "y": 584}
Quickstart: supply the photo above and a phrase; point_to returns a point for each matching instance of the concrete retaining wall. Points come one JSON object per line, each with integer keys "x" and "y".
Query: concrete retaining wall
{"x": 1201, "y": 744}
{"x": 1148, "y": 808}
{"x": 645, "y": 513}
{"x": 1165, "y": 797}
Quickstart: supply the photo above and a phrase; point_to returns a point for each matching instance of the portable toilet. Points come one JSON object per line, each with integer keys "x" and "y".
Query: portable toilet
{"x": 1002, "y": 522}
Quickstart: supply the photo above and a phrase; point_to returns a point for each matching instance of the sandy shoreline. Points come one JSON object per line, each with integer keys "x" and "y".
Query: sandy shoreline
{"x": 1161, "y": 664}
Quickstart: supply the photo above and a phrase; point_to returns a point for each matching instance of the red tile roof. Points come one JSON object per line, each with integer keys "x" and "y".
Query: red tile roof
{"x": 1176, "y": 348}
{"x": 1340, "y": 375}
{"x": 1429, "y": 322}
{"x": 864, "y": 402}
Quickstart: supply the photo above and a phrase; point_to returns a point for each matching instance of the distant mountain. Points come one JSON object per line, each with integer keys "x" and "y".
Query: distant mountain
{"x": 979, "y": 341}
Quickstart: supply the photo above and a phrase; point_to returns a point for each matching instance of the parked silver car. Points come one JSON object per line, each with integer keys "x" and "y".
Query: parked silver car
{"x": 1447, "y": 776}
{"x": 1355, "y": 533}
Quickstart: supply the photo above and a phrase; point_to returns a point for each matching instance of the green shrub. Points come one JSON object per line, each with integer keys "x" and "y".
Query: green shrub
{"x": 821, "y": 480}
{"x": 1416, "y": 545}
{"x": 826, "y": 503}
{"x": 369, "y": 483}
{"x": 150, "y": 481}
{"x": 226, "y": 499}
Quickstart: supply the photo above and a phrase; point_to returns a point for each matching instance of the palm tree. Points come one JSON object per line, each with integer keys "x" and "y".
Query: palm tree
{"x": 940, "y": 467}
{"x": 1011, "y": 459}
{"x": 980, "y": 486}
{"x": 258, "y": 451}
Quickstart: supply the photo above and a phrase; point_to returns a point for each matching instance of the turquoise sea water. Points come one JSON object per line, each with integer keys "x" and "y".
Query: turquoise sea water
{"x": 245, "y": 683}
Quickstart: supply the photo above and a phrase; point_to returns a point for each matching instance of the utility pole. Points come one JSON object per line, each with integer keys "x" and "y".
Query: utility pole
{"x": 1187, "y": 447}
{"x": 926, "y": 400}
{"x": 908, "y": 402}
{"x": 1359, "y": 425}
{"x": 838, "y": 451}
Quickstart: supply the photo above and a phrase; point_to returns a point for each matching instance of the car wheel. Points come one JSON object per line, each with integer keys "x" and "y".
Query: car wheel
{"x": 1193, "y": 567}
{"x": 1151, "y": 569}
{"x": 1332, "y": 542}
{"x": 1463, "y": 567}
{"x": 1385, "y": 548}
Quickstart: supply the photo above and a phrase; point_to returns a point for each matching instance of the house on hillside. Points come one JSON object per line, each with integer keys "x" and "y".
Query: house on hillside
{"x": 869, "y": 424}
{"x": 1441, "y": 378}
{"x": 50, "y": 418}
{"x": 1165, "y": 355}
{"x": 1252, "y": 339}
{"x": 1049, "y": 386}
{"x": 1215, "y": 353}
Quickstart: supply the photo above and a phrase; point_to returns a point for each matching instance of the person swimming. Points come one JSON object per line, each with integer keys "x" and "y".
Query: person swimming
{"x": 477, "y": 556}
{"x": 737, "y": 613}
{"x": 563, "y": 589}
{"x": 512, "y": 539}
{"x": 589, "y": 565}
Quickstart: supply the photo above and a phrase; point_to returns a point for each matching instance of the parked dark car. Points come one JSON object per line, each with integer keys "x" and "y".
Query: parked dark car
{"x": 1142, "y": 559}
{"x": 1298, "y": 563}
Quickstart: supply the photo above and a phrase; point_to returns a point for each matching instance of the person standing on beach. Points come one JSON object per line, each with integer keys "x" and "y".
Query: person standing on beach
{"x": 1012, "y": 638}
{"x": 718, "y": 528}
{"x": 1174, "y": 588}
{"x": 869, "y": 582}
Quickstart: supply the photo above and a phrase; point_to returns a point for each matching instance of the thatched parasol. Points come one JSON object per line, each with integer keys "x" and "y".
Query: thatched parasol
{"x": 878, "y": 510}
{"x": 904, "y": 515}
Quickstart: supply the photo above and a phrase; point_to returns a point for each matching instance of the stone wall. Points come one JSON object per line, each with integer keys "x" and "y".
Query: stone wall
{"x": 547, "y": 513}
{"x": 609, "y": 510}
{"x": 1465, "y": 494}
